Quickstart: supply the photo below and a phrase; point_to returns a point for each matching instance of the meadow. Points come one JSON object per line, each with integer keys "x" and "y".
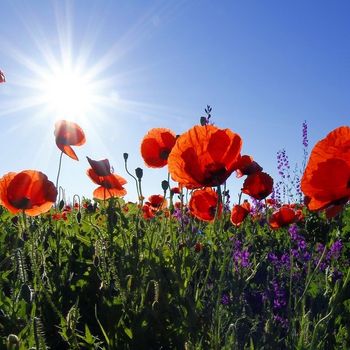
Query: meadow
{"x": 187, "y": 268}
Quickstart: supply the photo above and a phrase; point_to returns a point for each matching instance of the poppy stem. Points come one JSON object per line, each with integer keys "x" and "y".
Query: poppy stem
{"x": 140, "y": 192}
{"x": 239, "y": 198}
{"x": 137, "y": 185}
{"x": 59, "y": 169}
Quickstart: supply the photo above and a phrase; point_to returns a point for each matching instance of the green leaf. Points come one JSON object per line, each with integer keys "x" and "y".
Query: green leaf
{"x": 128, "y": 332}
{"x": 88, "y": 336}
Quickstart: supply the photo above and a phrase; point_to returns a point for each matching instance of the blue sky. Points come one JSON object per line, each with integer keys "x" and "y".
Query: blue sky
{"x": 263, "y": 66}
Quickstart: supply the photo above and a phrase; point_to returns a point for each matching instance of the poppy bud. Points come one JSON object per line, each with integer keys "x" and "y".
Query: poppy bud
{"x": 14, "y": 220}
{"x": 13, "y": 342}
{"x": 165, "y": 185}
{"x": 79, "y": 217}
{"x": 126, "y": 156}
{"x": 96, "y": 261}
{"x": 61, "y": 205}
{"x": 198, "y": 247}
{"x": 26, "y": 293}
{"x": 203, "y": 121}
{"x": 139, "y": 173}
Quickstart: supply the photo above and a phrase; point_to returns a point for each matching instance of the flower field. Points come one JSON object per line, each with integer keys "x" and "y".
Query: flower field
{"x": 187, "y": 268}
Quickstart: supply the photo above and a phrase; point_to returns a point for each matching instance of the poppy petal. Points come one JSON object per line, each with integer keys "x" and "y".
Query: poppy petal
{"x": 68, "y": 150}
{"x": 204, "y": 156}
{"x": 103, "y": 194}
{"x": 2, "y": 77}
{"x": 282, "y": 217}
{"x": 238, "y": 214}
{"x": 68, "y": 134}
{"x": 204, "y": 203}
{"x": 156, "y": 147}
{"x": 29, "y": 190}
{"x": 100, "y": 167}
{"x": 258, "y": 185}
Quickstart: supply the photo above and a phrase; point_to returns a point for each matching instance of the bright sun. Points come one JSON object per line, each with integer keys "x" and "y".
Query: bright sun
{"x": 67, "y": 93}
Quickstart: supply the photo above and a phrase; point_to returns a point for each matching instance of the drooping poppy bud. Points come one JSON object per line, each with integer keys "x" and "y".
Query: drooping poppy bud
{"x": 68, "y": 134}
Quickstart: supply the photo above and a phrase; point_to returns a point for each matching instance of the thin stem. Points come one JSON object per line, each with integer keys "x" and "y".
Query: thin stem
{"x": 137, "y": 187}
{"x": 140, "y": 193}
{"x": 59, "y": 169}
{"x": 311, "y": 277}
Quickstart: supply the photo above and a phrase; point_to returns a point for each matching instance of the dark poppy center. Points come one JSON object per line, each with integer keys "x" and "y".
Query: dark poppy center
{"x": 164, "y": 153}
{"x": 106, "y": 184}
{"x": 21, "y": 203}
{"x": 215, "y": 174}
{"x": 212, "y": 210}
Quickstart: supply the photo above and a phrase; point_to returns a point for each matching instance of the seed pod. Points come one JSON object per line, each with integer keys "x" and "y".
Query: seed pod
{"x": 61, "y": 205}
{"x": 139, "y": 173}
{"x": 26, "y": 293}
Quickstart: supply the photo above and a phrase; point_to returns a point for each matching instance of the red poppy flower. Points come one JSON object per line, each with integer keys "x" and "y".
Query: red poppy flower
{"x": 110, "y": 185}
{"x": 175, "y": 190}
{"x": 147, "y": 212}
{"x": 178, "y": 205}
{"x": 157, "y": 202}
{"x": 204, "y": 156}
{"x": 29, "y": 190}
{"x": 326, "y": 180}
{"x": 246, "y": 205}
{"x": 203, "y": 204}
{"x": 2, "y": 77}
{"x": 68, "y": 134}
{"x": 156, "y": 146}
{"x": 100, "y": 167}
{"x": 198, "y": 247}
{"x": 271, "y": 202}
{"x": 258, "y": 185}
{"x": 283, "y": 217}
{"x": 238, "y": 214}
{"x": 247, "y": 166}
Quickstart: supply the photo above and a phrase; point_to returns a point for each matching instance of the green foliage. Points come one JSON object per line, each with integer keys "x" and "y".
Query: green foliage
{"x": 105, "y": 278}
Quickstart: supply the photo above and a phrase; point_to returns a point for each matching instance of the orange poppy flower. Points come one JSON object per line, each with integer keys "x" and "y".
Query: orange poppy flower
{"x": 247, "y": 166}
{"x": 203, "y": 204}
{"x": 204, "y": 156}
{"x": 2, "y": 77}
{"x": 326, "y": 180}
{"x": 29, "y": 191}
{"x": 68, "y": 134}
{"x": 110, "y": 185}
{"x": 258, "y": 185}
{"x": 238, "y": 214}
{"x": 283, "y": 217}
{"x": 156, "y": 146}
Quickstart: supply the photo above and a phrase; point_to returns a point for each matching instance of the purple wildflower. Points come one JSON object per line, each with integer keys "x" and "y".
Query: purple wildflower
{"x": 282, "y": 321}
{"x": 279, "y": 296}
{"x": 335, "y": 250}
{"x": 225, "y": 299}
{"x": 336, "y": 275}
{"x": 240, "y": 256}
{"x": 305, "y": 139}
{"x": 257, "y": 207}
{"x": 293, "y": 232}
{"x": 183, "y": 218}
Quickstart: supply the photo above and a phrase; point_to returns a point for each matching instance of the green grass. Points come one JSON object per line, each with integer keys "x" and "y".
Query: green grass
{"x": 105, "y": 278}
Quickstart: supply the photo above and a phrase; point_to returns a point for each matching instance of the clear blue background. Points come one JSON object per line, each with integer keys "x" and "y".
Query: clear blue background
{"x": 263, "y": 66}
